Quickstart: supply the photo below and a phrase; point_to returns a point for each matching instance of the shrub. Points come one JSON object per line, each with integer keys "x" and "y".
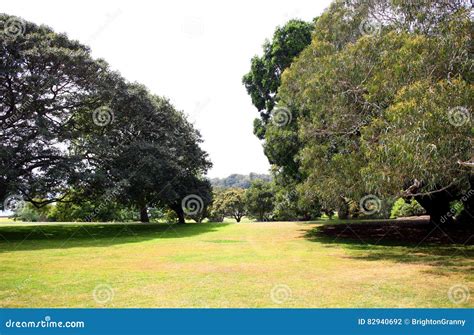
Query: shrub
{"x": 404, "y": 208}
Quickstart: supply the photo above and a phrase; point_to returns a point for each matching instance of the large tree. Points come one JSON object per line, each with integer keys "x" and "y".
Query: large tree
{"x": 45, "y": 79}
{"x": 148, "y": 147}
{"x": 384, "y": 94}
{"x": 68, "y": 124}
{"x": 263, "y": 79}
{"x": 277, "y": 125}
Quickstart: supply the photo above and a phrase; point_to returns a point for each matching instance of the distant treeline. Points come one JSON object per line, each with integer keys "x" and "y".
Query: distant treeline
{"x": 239, "y": 180}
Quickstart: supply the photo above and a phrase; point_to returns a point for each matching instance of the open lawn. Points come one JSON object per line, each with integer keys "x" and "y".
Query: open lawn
{"x": 278, "y": 264}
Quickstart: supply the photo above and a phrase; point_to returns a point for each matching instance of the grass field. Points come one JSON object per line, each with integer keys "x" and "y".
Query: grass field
{"x": 282, "y": 264}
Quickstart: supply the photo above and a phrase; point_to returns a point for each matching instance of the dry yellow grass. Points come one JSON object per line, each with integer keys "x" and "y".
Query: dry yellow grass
{"x": 228, "y": 265}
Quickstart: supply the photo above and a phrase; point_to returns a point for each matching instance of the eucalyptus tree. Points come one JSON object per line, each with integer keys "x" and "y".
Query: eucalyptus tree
{"x": 384, "y": 93}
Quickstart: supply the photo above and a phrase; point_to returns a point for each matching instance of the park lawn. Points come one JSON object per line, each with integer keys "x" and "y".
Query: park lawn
{"x": 221, "y": 265}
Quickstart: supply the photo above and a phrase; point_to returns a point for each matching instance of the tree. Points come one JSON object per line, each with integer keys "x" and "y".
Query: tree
{"x": 380, "y": 108}
{"x": 188, "y": 196}
{"x": 149, "y": 149}
{"x": 277, "y": 125}
{"x": 259, "y": 200}
{"x": 45, "y": 80}
{"x": 263, "y": 79}
{"x": 292, "y": 202}
{"x": 404, "y": 208}
{"x": 68, "y": 124}
{"x": 233, "y": 203}
{"x": 215, "y": 210}
{"x": 238, "y": 180}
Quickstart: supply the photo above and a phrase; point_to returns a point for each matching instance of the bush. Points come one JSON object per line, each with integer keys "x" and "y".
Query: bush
{"x": 30, "y": 213}
{"x": 403, "y": 208}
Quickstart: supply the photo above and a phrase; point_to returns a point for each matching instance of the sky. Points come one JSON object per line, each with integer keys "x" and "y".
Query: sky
{"x": 194, "y": 52}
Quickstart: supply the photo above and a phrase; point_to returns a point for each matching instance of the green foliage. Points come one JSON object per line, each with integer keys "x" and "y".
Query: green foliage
{"x": 238, "y": 180}
{"x": 404, "y": 208}
{"x": 259, "y": 200}
{"x": 29, "y": 213}
{"x": 149, "y": 155}
{"x": 263, "y": 80}
{"x": 375, "y": 110}
{"x": 231, "y": 202}
{"x": 215, "y": 210}
{"x": 95, "y": 211}
{"x": 71, "y": 124}
{"x": 293, "y": 202}
{"x": 457, "y": 207}
{"x": 50, "y": 79}
{"x": 170, "y": 216}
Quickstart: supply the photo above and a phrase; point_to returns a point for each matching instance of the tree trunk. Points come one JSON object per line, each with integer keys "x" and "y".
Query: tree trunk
{"x": 237, "y": 218}
{"x": 180, "y": 217}
{"x": 144, "y": 214}
{"x": 179, "y": 212}
{"x": 437, "y": 206}
{"x": 467, "y": 199}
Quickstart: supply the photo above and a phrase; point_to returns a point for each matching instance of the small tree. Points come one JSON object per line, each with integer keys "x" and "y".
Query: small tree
{"x": 259, "y": 200}
{"x": 233, "y": 203}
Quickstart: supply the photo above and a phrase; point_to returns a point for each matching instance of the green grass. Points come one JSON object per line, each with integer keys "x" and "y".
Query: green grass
{"x": 221, "y": 265}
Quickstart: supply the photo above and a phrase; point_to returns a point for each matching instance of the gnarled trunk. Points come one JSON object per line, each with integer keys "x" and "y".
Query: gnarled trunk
{"x": 437, "y": 206}
{"x": 178, "y": 209}
{"x": 144, "y": 214}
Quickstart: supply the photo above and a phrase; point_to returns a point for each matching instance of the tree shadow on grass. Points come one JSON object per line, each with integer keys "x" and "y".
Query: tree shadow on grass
{"x": 54, "y": 236}
{"x": 446, "y": 248}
